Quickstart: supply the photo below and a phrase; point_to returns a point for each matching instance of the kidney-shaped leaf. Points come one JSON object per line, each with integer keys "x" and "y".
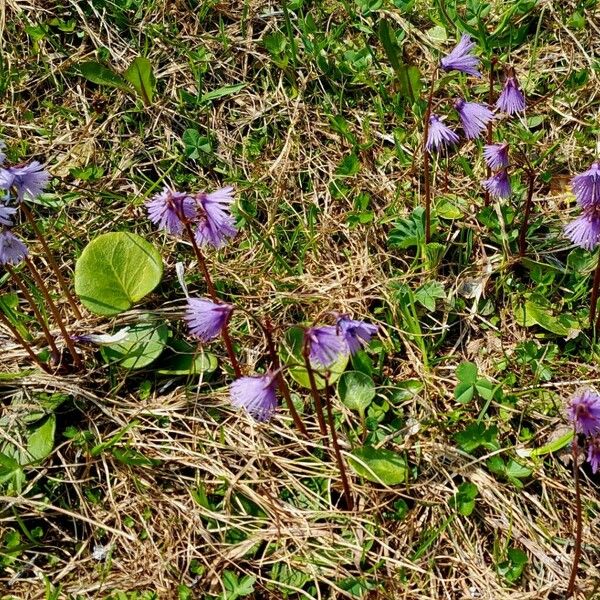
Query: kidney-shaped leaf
{"x": 356, "y": 390}
{"x": 144, "y": 343}
{"x": 378, "y": 465}
{"x": 115, "y": 270}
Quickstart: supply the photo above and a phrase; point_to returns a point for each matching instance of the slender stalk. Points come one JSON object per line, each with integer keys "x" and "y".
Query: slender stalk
{"x": 36, "y": 311}
{"x": 578, "y": 519}
{"x": 313, "y": 388}
{"x": 594, "y": 299}
{"x": 55, "y": 313}
{"x": 23, "y": 343}
{"x": 528, "y": 204}
{"x": 336, "y": 449}
{"x": 489, "y": 137}
{"x": 281, "y": 383}
{"x": 426, "y": 164}
{"x": 52, "y": 261}
{"x": 213, "y": 294}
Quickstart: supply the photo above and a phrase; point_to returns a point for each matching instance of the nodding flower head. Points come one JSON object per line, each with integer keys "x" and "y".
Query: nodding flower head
{"x": 6, "y": 213}
{"x": 356, "y": 333}
{"x": 511, "y": 100}
{"x": 29, "y": 180}
{"x": 584, "y": 412}
{"x": 326, "y": 345}
{"x": 499, "y": 184}
{"x": 256, "y": 395}
{"x": 496, "y": 155}
{"x": 206, "y": 318}
{"x": 216, "y": 225}
{"x": 439, "y": 135}
{"x": 584, "y": 231}
{"x": 586, "y": 186}
{"x": 461, "y": 59}
{"x": 169, "y": 210}
{"x": 474, "y": 117}
{"x": 12, "y": 249}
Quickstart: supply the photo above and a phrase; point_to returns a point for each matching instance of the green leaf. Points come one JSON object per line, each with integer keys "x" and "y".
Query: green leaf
{"x": 101, "y": 75}
{"x": 185, "y": 359}
{"x": 512, "y": 568}
{"x": 464, "y": 499}
{"x": 356, "y": 390}
{"x": 554, "y": 445}
{"x": 140, "y": 75}
{"x": 195, "y": 144}
{"x": 409, "y": 232}
{"x": 466, "y": 372}
{"x": 476, "y": 435}
{"x": 132, "y": 457}
{"x": 144, "y": 344}
{"x": 428, "y": 293}
{"x": 378, "y": 465}
{"x": 291, "y": 355}
{"x": 464, "y": 393}
{"x": 515, "y": 469}
{"x": 40, "y": 442}
{"x": 226, "y": 90}
{"x": 485, "y": 389}
{"x": 116, "y": 270}
{"x": 406, "y": 390}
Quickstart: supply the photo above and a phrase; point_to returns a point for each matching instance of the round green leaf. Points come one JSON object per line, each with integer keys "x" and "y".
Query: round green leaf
{"x": 378, "y": 465}
{"x": 291, "y": 355}
{"x": 356, "y": 390}
{"x": 185, "y": 359}
{"x": 116, "y": 270}
{"x": 144, "y": 343}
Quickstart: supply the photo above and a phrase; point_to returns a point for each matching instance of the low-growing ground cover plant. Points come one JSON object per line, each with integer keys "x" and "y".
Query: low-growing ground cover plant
{"x": 292, "y": 302}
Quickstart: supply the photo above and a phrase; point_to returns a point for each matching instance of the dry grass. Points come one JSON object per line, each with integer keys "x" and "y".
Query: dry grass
{"x": 274, "y": 497}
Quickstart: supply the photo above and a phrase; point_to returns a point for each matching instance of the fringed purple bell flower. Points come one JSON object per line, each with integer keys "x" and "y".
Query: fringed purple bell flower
{"x": 12, "y": 249}
{"x": 593, "y": 453}
{"x": 584, "y": 231}
{"x": 6, "y": 213}
{"x": 498, "y": 185}
{"x": 511, "y": 100}
{"x": 461, "y": 59}
{"x": 216, "y": 225}
{"x": 206, "y": 318}
{"x": 496, "y": 155}
{"x": 326, "y": 345}
{"x": 356, "y": 333}
{"x": 474, "y": 117}
{"x": 586, "y": 186}
{"x": 29, "y": 180}
{"x": 584, "y": 412}
{"x": 256, "y": 395}
{"x": 169, "y": 209}
{"x": 439, "y": 135}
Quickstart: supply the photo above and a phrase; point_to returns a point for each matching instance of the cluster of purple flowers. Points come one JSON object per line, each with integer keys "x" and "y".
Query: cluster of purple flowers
{"x": 20, "y": 182}
{"x": 475, "y": 117}
{"x": 584, "y": 231}
{"x": 584, "y": 413}
{"x": 208, "y": 213}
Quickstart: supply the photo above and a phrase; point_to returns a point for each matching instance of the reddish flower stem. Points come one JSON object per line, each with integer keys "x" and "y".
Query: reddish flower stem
{"x": 282, "y": 384}
{"x": 489, "y": 138}
{"x": 528, "y": 205}
{"x": 313, "y": 388}
{"x": 36, "y": 311}
{"x": 594, "y": 299}
{"x": 578, "y": 519}
{"x": 426, "y": 162}
{"x": 51, "y": 261}
{"x": 55, "y": 313}
{"x": 213, "y": 294}
{"x": 336, "y": 449}
{"x": 23, "y": 343}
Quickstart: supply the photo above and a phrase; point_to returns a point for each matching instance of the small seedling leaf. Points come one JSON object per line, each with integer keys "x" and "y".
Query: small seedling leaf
{"x": 356, "y": 390}
{"x": 379, "y": 465}
{"x": 141, "y": 76}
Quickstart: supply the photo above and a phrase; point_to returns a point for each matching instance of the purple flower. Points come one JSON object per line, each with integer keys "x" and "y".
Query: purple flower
{"x": 5, "y": 214}
{"x": 205, "y": 318}
{"x": 356, "y": 333}
{"x": 326, "y": 345}
{"x": 474, "y": 117}
{"x": 511, "y": 100}
{"x": 586, "y": 186}
{"x": 460, "y": 58}
{"x": 439, "y": 135}
{"x": 12, "y": 249}
{"x": 496, "y": 155}
{"x": 255, "y": 394}
{"x": 498, "y": 184}
{"x": 168, "y": 208}
{"x": 584, "y": 231}
{"x": 29, "y": 180}
{"x": 593, "y": 454}
{"x": 215, "y": 221}
{"x": 584, "y": 412}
